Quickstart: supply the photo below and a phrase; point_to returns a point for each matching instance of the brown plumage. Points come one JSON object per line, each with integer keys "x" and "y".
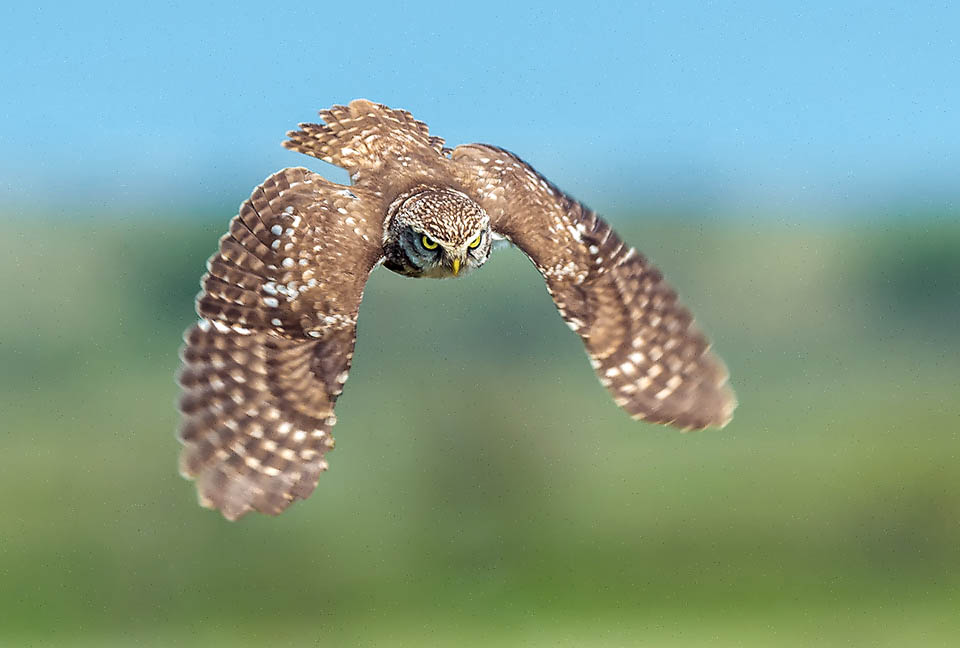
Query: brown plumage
{"x": 265, "y": 364}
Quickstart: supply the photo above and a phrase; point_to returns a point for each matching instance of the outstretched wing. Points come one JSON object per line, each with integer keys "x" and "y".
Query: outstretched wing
{"x": 383, "y": 149}
{"x": 264, "y": 366}
{"x": 641, "y": 341}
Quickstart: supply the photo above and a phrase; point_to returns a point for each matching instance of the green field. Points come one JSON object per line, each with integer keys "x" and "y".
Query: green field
{"x": 484, "y": 489}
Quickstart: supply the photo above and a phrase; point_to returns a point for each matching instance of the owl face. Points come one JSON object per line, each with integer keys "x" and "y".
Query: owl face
{"x": 436, "y": 233}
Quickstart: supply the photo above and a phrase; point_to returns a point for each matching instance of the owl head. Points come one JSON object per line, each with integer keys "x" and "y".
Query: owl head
{"x": 435, "y": 232}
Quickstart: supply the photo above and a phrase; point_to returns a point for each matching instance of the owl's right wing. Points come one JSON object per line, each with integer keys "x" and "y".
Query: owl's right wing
{"x": 263, "y": 367}
{"x": 641, "y": 341}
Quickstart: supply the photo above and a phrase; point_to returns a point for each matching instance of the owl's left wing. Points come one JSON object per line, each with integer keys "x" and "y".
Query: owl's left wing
{"x": 641, "y": 341}
{"x": 264, "y": 366}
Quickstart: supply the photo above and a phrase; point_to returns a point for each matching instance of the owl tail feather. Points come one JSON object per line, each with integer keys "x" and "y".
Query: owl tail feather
{"x": 363, "y": 135}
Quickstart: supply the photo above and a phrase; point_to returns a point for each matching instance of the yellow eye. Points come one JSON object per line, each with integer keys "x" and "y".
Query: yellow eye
{"x": 429, "y": 243}
{"x": 475, "y": 243}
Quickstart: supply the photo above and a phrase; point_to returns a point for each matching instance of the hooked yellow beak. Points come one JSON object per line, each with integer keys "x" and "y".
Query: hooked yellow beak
{"x": 456, "y": 267}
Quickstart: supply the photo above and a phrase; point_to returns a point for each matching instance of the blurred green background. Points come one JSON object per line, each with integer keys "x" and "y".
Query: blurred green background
{"x": 484, "y": 489}
{"x": 791, "y": 167}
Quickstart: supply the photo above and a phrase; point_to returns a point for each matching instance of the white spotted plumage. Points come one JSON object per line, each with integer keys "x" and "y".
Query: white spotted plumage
{"x": 269, "y": 356}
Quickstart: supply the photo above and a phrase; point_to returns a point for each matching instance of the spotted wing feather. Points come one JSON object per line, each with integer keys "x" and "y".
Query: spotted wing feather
{"x": 641, "y": 341}
{"x": 263, "y": 367}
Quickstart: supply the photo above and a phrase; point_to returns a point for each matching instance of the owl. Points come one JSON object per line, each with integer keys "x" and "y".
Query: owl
{"x": 265, "y": 363}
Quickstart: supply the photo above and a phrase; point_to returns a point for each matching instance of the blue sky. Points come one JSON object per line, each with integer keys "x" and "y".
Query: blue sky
{"x": 748, "y": 106}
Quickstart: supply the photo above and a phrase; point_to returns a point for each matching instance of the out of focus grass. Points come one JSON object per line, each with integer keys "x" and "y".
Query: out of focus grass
{"x": 484, "y": 489}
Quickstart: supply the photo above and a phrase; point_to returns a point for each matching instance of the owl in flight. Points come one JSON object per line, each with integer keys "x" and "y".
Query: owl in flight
{"x": 264, "y": 365}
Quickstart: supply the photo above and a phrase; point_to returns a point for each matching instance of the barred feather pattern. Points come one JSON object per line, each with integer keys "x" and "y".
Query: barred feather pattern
{"x": 642, "y": 343}
{"x": 263, "y": 367}
{"x": 377, "y": 145}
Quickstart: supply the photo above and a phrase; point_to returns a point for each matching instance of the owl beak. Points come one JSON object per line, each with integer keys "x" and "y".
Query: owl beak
{"x": 456, "y": 267}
